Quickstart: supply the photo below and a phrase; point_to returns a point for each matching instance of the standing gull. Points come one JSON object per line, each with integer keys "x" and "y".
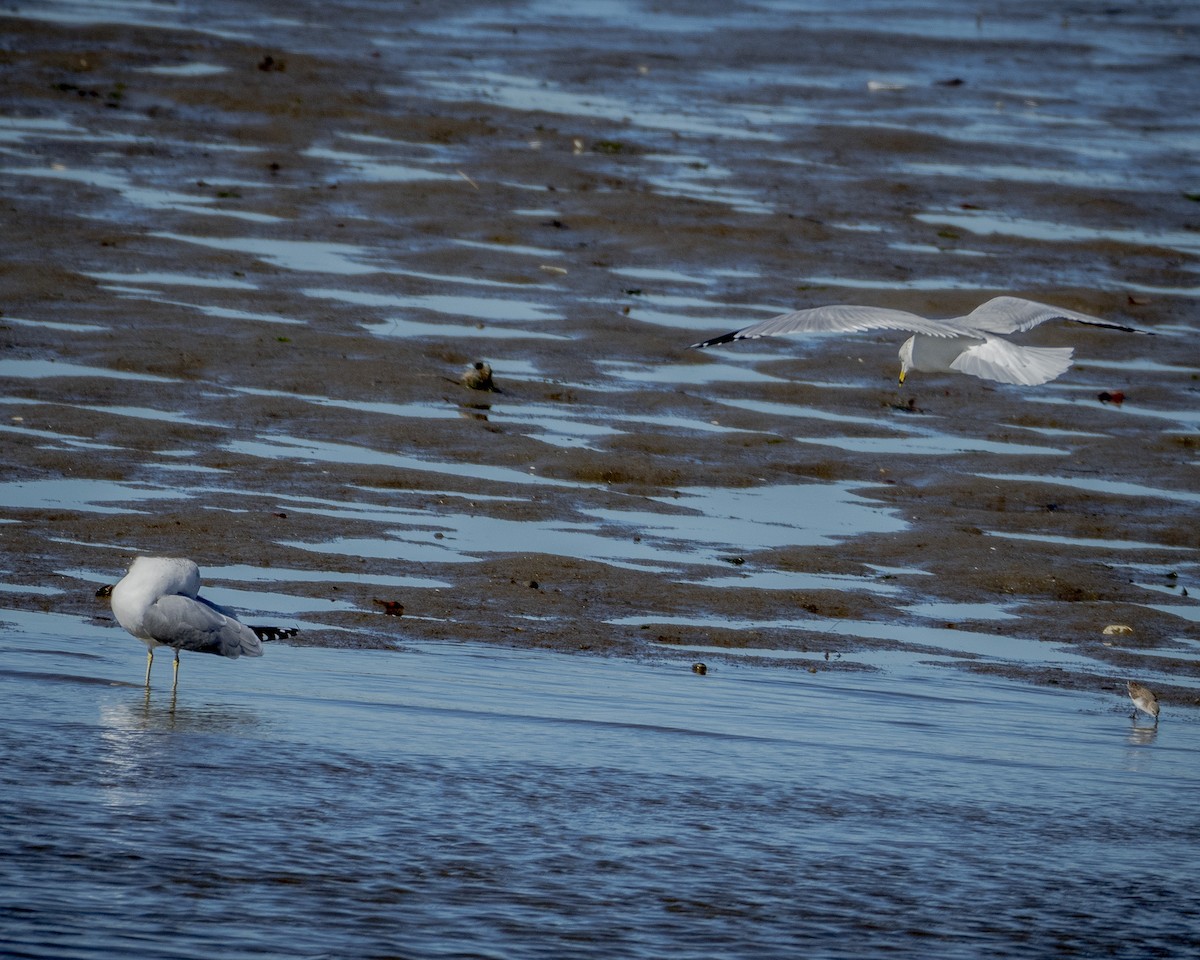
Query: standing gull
{"x": 158, "y": 602}
{"x": 973, "y": 344}
{"x": 1143, "y": 699}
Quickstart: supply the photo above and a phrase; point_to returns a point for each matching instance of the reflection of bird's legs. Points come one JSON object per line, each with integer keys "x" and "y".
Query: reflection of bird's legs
{"x": 149, "y": 663}
{"x": 175, "y": 683}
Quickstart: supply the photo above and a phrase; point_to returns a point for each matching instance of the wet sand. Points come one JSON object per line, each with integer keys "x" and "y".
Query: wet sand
{"x": 236, "y": 302}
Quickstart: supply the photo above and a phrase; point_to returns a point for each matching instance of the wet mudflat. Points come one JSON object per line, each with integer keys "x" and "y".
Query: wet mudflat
{"x": 250, "y": 250}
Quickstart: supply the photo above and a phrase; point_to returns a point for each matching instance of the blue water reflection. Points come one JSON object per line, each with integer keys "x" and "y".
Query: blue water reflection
{"x": 455, "y": 800}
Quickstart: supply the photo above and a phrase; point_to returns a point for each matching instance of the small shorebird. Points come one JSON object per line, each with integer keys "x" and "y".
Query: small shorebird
{"x": 1143, "y": 699}
{"x": 972, "y": 344}
{"x": 478, "y": 376}
{"x": 158, "y": 602}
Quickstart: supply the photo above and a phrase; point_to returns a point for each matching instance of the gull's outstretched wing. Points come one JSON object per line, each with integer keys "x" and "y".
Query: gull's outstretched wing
{"x": 1007, "y": 362}
{"x": 1014, "y": 314}
{"x": 841, "y": 318}
{"x": 189, "y": 624}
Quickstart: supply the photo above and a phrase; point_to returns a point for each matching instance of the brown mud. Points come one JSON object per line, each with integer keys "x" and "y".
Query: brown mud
{"x": 251, "y": 152}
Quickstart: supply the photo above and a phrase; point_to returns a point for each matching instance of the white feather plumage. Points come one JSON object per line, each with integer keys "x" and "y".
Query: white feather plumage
{"x": 158, "y": 601}
{"x": 970, "y": 344}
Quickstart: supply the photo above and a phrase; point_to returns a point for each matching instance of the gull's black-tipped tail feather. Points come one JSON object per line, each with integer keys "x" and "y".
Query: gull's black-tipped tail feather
{"x": 274, "y": 633}
{"x": 716, "y": 341}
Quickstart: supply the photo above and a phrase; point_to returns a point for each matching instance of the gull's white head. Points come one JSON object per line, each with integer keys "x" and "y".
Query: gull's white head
{"x": 906, "y": 357}
{"x": 148, "y": 579}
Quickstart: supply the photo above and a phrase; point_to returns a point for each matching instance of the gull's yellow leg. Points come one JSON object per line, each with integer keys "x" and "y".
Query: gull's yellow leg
{"x": 176, "y": 681}
{"x": 149, "y": 663}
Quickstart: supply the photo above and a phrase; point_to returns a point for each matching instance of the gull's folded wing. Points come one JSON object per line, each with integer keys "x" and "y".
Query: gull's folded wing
{"x": 189, "y": 624}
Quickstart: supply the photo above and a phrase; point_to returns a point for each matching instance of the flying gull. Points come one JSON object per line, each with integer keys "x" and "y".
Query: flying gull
{"x": 973, "y": 344}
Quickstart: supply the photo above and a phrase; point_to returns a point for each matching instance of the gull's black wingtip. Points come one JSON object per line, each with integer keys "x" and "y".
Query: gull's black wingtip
{"x": 1112, "y": 325}
{"x": 274, "y": 633}
{"x": 716, "y": 341}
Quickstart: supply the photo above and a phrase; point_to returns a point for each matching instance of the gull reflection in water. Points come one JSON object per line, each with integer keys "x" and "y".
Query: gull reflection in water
{"x": 138, "y": 739}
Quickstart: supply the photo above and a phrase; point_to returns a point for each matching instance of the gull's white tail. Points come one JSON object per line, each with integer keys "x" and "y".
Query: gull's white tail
{"x": 1007, "y": 362}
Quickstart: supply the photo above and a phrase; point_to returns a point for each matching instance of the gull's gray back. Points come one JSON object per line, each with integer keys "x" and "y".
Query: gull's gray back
{"x": 188, "y": 624}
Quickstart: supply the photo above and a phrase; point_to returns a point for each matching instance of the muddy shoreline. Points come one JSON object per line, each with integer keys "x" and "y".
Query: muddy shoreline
{"x": 256, "y": 285}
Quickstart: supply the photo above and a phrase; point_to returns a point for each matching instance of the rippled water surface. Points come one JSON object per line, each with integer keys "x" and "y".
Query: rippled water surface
{"x": 456, "y": 800}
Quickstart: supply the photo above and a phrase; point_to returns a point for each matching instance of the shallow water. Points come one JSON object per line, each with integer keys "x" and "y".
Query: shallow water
{"x": 456, "y": 800}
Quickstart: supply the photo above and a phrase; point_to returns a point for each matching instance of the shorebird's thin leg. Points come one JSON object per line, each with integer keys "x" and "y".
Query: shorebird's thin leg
{"x": 149, "y": 664}
{"x": 176, "y": 681}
